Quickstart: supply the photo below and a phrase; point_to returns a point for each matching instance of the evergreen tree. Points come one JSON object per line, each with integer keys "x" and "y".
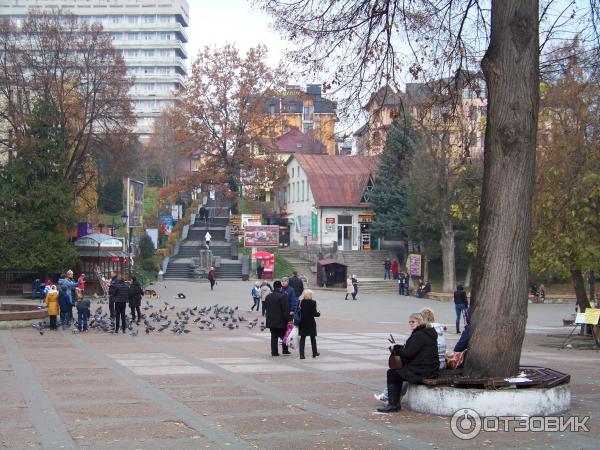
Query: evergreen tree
{"x": 388, "y": 197}
{"x": 36, "y": 199}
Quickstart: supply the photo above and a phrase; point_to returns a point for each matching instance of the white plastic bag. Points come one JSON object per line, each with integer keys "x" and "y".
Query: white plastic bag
{"x": 293, "y": 340}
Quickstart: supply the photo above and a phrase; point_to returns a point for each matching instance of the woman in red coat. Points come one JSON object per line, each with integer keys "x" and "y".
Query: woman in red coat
{"x": 395, "y": 269}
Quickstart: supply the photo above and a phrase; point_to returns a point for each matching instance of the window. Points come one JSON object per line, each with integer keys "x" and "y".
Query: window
{"x": 149, "y": 19}
{"x": 307, "y": 191}
{"x": 165, "y": 19}
{"x": 132, "y": 19}
{"x": 148, "y": 53}
{"x": 148, "y": 36}
{"x": 132, "y": 36}
{"x": 272, "y": 109}
{"x": 302, "y": 191}
{"x": 116, "y": 19}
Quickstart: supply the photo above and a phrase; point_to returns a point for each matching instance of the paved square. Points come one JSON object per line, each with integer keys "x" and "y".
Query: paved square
{"x": 223, "y": 389}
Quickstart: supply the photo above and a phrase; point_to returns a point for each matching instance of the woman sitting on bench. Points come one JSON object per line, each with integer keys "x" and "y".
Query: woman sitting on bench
{"x": 419, "y": 360}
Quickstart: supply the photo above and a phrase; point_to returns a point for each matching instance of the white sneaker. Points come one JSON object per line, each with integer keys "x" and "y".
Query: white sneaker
{"x": 381, "y": 397}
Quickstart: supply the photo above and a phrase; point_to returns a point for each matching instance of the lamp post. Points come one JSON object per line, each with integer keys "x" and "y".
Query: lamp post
{"x": 125, "y": 219}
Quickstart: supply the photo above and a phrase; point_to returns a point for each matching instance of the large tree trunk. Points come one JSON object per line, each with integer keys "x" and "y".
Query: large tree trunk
{"x": 501, "y": 270}
{"x": 448, "y": 262}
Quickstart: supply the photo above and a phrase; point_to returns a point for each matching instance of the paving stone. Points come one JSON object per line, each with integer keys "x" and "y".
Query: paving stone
{"x": 13, "y": 413}
{"x": 266, "y": 424}
{"x": 260, "y": 368}
{"x": 341, "y": 367}
{"x": 19, "y": 438}
{"x": 338, "y": 440}
{"x": 203, "y": 392}
{"x": 168, "y": 429}
{"x": 168, "y": 370}
{"x": 211, "y": 407}
{"x": 89, "y": 412}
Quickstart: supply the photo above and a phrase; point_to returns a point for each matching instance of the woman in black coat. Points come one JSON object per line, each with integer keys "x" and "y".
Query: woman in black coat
{"x": 419, "y": 360}
{"x": 308, "y": 326}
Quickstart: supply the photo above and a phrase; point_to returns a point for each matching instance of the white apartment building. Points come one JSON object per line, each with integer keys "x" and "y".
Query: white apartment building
{"x": 150, "y": 35}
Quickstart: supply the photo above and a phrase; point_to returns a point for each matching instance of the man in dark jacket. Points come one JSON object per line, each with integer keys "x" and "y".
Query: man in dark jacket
{"x": 297, "y": 284}
{"x": 460, "y": 304}
{"x": 135, "y": 299}
{"x": 290, "y": 292}
{"x": 278, "y": 316}
{"x": 419, "y": 360}
{"x": 112, "y": 289}
{"x": 121, "y": 298}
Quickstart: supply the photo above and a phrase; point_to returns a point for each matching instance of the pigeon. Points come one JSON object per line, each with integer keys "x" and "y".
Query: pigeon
{"x": 134, "y": 333}
{"x": 41, "y": 332}
{"x": 181, "y": 295}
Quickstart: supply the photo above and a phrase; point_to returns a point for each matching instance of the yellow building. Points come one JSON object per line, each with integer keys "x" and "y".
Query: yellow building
{"x": 304, "y": 110}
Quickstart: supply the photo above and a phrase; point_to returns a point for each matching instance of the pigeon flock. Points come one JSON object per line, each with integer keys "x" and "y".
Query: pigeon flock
{"x": 164, "y": 319}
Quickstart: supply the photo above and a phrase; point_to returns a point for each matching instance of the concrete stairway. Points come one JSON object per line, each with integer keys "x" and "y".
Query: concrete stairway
{"x": 371, "y": 286}
{"x": 366, "y": 264}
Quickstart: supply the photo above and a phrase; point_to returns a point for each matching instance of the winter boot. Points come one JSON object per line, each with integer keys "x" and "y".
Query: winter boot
{"x": 393, "y": 399}
{"x": 457, "y": 329}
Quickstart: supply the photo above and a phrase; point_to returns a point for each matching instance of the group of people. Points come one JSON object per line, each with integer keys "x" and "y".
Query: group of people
{"x": 62, "y": 297}
{"x": 351, "y": 287}
{"x": 391, "y": 269}
{"x": 120, "y": 294}
{"x": 287, "y": 304}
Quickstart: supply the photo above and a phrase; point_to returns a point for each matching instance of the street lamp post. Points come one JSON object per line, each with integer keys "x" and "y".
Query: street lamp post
{"x": 125, "y": 219}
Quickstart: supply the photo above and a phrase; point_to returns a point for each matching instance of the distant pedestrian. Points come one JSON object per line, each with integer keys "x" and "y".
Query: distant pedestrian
{"x": 460, "y": 305}
{"x": 349, "y": 287}
{"x": 80, "y": 286}
{"x": 53, "y": 308}
{"x": 112, "y": 289}
{"x": 354, "y": 287}
{"x": 212, "y": 277}
{"x": 121, "y": 300}
{"x": 135, "y": 299}
{"x": 259, "y": 269}
{"x": 83, "y": 314}
{"x": 255, "y": 296}
{"x": 542, "y": 291}
{"x": 202, "y": 213}
{"x": 296, "y": 283}
{"x": 387, "y": 265}
{"x": 403, "y": 283}
{"x": 207, "y": 238}
{"x": 277, "y": 318}
{"x": 308, "y": 325}
{"x": 395, "y": 269}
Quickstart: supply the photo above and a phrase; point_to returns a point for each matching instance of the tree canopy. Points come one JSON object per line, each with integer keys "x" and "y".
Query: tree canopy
{"x": 36, "y": 200}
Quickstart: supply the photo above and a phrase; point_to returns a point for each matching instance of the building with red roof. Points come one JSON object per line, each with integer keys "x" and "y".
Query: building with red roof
{"x": 326, "y": 199}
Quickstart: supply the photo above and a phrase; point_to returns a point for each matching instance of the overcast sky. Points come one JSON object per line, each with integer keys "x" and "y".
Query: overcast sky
{"x": 216, "y": 22}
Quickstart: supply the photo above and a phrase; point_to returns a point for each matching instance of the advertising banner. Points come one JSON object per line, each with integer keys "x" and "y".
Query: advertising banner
{"x": 414, "y": 265}
{"x": 135, "y": 203}
{"x": 251, "y": 219}
{"x": 261, "y": 236}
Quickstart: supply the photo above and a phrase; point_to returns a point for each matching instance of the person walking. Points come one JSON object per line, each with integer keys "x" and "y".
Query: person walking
{"x": 387, "y": 265}
{"x": 207, "y": 238}
{"x": 460, "y": 304}
{"x": 121, "y": 298}
{"x": 297, "y": 284}
{"x": 256, "y": 296}
{"x": 52, "y": 302}
{"x": 277, "y": 317}
{"x": 395, "y": 269}
{"x": 349, "y": 288}
{"x": 69, "y": 284}
{"x": 202, "y": 213}
{"x": 212, "y": 277}
{"x": 112, "y": 289}
{"x": 308, "y": 325}
{"x": 354, "y": 287}
{"x": 135, "y": 299}
{"x": 403, "y": 283}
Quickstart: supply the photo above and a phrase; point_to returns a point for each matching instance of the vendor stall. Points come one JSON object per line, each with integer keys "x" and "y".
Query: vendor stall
{"x": 331, "y": 273}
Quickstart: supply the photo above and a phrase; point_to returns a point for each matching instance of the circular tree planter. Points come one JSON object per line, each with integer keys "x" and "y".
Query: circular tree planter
{"x": 548, "y": 393}
{"x": 20, "y": 315}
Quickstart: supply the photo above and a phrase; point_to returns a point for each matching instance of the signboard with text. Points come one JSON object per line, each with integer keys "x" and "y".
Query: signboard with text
{"x": 414, "y": 265}
{"x": 251, "y": 219}
{"x": 261, "y": 236}
{"x": 135, "y": 203}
